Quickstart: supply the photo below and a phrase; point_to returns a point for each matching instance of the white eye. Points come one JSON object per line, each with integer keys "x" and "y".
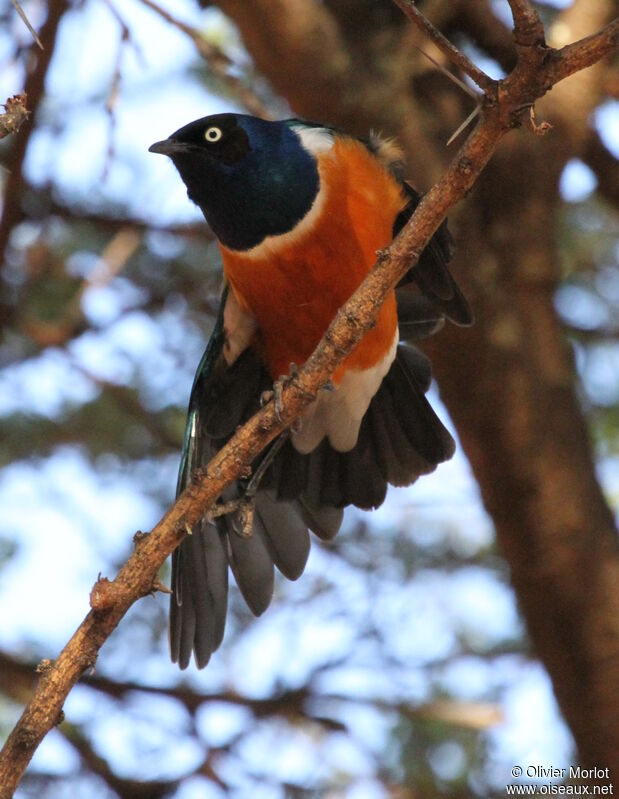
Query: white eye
{"x": 213, "y": 134}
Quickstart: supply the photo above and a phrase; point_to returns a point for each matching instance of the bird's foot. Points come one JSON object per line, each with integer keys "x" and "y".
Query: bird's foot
{"x": 243, "y": 508}
{"x": 278, "y": 389}
{"x": 266, "y": 397}
{"x": 243, "y": 511}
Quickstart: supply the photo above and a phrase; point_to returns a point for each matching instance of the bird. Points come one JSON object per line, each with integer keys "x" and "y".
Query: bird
{"x": 299, "y": 210}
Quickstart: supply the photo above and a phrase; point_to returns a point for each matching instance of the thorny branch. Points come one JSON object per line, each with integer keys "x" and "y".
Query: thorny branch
{"x": 15, "y": 114}
{"x": 17, "y": 6}
{"x": 453, "y": 54}
{"x": 537, "y": 68}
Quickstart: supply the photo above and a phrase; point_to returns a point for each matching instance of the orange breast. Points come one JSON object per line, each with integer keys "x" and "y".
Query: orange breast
{"x": 295, "y": 286}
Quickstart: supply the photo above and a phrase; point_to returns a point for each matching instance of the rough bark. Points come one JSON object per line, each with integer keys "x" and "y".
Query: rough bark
{"x": 15, "y": 114}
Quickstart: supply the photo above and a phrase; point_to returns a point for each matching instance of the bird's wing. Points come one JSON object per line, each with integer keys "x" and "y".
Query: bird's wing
{"x": 431, "y": 273}
{"x": 222, "y": 398}
{"x": 199, "y": 599}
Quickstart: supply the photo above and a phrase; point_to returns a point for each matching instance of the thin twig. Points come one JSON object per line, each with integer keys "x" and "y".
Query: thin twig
{"x": 111, "y": 101}
{"x": 464, "y": 125}
{"x": 528, "y": 27}
{"x": 218, "y": 61}
{"x": 479, "y": 77}
{"x": 582, "y": 54}
{"x": 26, "y": 21}
{"x": 116, "y": 82}
{"x": 462, "y": 85}
{"x": 453, "y": 78}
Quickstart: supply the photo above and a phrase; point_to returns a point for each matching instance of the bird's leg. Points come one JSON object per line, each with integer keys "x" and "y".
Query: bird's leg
{"x": 244, "y": 505}
{"x": 254, "y": 483}
{"x": 278, "y": 388}
{"x": 277, "y": 392}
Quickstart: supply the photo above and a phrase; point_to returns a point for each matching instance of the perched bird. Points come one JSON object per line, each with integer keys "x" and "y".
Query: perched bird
{"x": 299, "y": 211}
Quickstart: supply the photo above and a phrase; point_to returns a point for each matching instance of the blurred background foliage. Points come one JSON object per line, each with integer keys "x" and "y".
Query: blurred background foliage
{"x": 398, "y": 665}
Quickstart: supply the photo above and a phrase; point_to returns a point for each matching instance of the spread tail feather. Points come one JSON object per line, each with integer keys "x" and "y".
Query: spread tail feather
{"x": 199, "y": 599}
{"x": 400, "y": 438}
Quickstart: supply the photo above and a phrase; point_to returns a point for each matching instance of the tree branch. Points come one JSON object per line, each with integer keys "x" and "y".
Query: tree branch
{"x": 16, "y": 113}
{"x": 580, "y": 55}
{"x": 111, "y": 599}
{"x": 17, "y": 6}
{"x": 33, "y": 89}
{"x": 486, "y": 30}
{"x": 528, "y": 28}
{"x": 453, "y": 54}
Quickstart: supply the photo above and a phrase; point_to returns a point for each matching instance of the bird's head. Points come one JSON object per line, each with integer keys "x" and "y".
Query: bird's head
{"x": 252, "y": 178}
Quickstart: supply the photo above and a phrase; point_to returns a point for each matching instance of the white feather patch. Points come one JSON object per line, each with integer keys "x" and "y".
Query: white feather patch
{"x": 315, "y": 140}
{"x": 239, "y": 328}
{"x": 389, "y": 154}
{"x": 338, "y": 414}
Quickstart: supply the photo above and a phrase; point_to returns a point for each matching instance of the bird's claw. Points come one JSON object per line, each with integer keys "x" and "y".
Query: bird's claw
{"x": 242, "y": 508}
{"x": 266, "y": 397}
{"x": 245, "y": 512}
{"x": 278, "y": 389}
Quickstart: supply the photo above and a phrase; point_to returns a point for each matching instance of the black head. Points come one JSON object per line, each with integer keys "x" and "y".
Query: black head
{"x": 252, "y": 178}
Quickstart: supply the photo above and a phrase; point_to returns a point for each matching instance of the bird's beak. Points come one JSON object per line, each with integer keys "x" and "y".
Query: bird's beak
{"x": 167, "y": 147}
